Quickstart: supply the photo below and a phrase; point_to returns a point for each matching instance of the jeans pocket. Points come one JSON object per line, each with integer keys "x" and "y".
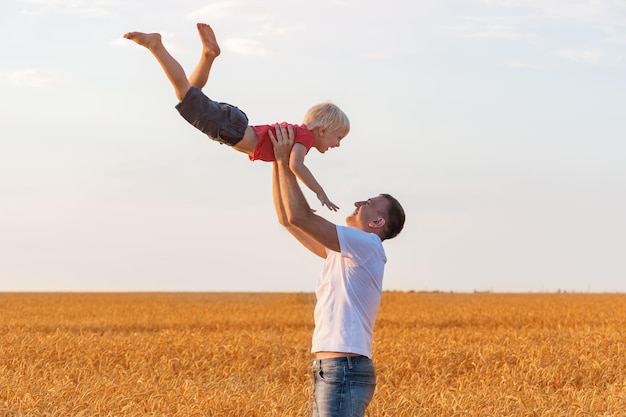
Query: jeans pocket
{"x": 331, "y": 375}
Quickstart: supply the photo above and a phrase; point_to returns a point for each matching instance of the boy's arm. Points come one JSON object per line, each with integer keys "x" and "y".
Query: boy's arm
{"x": 296, "y": 209}
{"x": 296, "y": 164}
{"x": 302, "y": 237}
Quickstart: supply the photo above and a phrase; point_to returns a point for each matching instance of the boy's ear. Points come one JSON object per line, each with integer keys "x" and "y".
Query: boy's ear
{"x": 321, "y": 130}
{"x": 377, "y": 223}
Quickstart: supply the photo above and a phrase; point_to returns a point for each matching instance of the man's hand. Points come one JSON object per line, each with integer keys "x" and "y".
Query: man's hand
{"x": 282, "y": 141}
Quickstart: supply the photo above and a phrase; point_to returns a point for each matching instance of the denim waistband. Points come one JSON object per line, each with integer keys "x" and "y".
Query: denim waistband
{"x": 343, "y": 360}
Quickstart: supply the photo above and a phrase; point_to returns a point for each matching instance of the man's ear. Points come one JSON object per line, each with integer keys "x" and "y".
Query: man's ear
{"x": 377, "y": 224}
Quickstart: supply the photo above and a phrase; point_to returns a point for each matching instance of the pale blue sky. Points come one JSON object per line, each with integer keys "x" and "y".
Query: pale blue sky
{"x": 499, "y": 124}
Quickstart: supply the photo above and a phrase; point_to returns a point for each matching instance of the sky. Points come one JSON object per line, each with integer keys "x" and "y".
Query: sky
{"x": 498, "y": 124}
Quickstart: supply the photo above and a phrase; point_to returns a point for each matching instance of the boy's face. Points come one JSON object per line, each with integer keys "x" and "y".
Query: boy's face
{"x": 326, "y": 139}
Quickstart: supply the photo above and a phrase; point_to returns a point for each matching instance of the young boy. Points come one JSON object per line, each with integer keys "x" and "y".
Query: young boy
{"x": 323, "y": 127}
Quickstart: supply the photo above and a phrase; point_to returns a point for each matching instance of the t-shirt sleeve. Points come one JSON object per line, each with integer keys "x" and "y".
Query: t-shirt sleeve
{"x": 357, "y": 244}
{"x": 305, "y": 137}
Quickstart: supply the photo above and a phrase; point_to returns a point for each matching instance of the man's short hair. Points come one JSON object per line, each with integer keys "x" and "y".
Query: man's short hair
{"x": 394, "y": 219}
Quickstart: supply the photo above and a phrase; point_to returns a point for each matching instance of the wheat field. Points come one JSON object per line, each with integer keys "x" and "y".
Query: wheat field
{"x": 247, "y": 354}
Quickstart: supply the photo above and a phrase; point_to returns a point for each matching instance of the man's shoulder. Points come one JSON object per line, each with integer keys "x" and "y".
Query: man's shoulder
{"x": 360, "y": 245}
{"x": 350, "y": 232}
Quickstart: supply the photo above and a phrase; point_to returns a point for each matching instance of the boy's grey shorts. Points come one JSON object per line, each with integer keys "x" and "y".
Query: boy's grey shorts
{"x": 222, "y": 122}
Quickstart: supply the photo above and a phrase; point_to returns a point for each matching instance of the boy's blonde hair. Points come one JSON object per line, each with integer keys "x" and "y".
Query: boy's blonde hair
{"x": 328, "y": 115}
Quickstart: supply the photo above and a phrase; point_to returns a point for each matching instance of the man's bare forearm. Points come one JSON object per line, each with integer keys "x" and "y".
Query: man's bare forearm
{"x": 279, "y": 202}
{"x": 291, "y": 205}
{"x": 296, "y": 206}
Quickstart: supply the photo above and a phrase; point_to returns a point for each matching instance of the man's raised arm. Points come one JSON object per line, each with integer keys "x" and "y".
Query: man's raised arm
{"x": 302, "y": 237}
{"x": 313, "y": 231}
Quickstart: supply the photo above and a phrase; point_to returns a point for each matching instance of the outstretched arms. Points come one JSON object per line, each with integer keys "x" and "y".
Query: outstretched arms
{"x": 292, "y": 209}
{"x": 302, "y": 237}
{"x": 296, "y": 163}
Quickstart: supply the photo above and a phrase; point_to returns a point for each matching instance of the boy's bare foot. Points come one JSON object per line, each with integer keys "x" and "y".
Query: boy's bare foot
{"x": 209, "y": 43}
{"x": 149, "y": 40}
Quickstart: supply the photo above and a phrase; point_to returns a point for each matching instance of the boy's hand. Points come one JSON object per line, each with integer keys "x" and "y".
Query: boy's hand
{"x": 326, "y": 202}
{"x": 282, "y": 141}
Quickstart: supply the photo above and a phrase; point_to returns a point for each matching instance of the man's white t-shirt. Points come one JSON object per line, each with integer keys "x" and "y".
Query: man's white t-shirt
{"x": 348, "y": 294}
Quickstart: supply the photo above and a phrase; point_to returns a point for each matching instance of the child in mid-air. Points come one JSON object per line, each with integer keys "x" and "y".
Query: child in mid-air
{"x": 323, "y": 127}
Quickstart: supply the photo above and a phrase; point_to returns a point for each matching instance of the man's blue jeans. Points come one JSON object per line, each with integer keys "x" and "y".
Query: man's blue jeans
{"x": 343, "y": 387}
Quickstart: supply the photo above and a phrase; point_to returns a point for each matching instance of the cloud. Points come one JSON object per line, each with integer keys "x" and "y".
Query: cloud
{"x": 591, "y": 56}
{"x": 89, "y": 8}
{"x": 34, "y": 78}
{"x": 378, "y": 55}
{"x": 523, "y": 65}
{"x": 492, "y": 27}
{"x": 576, "y": 31}
{"x": 617, "y": 38}
{"x": 606, "y": 16}
{"x": 500, "y": 31}
{"x": 229, "y": 9}
{"x": 278, "y": 30}
{"x": 245, "y": 46}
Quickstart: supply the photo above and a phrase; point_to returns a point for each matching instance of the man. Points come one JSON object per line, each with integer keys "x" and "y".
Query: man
{"x": 349, "y": 288}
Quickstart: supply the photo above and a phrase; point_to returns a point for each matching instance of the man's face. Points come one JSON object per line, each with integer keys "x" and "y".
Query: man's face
{"x": 367, "y": 211}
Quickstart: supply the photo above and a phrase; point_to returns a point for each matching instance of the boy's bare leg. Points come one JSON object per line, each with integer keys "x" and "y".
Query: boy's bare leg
{"x": 210, "y": 51}
{"x": 171, "y": 67}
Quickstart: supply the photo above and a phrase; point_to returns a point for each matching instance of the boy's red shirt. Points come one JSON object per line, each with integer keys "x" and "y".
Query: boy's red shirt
{"x": 264, "y": 150}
